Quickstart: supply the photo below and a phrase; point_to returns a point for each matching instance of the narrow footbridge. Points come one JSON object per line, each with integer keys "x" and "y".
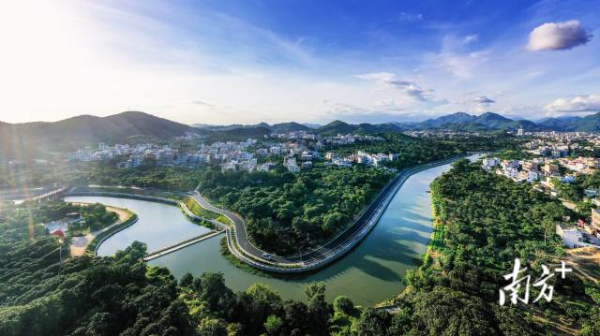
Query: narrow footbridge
{"x": 172, "y": 248}
{"x": 50, "y": 194}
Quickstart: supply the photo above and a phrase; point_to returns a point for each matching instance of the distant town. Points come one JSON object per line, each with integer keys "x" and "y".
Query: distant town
{"x": 295, "y": 150}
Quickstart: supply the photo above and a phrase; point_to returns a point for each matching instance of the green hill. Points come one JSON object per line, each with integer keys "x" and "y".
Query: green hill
{"x": 28, "y": 139}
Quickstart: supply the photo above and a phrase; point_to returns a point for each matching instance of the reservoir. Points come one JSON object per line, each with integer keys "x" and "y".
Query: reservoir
{"x": 370, "y": 274}
{"x": 158, "y": 225}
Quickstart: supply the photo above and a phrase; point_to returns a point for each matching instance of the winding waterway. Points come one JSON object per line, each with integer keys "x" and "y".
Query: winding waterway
{"x": 159, "y": 224}
{"x": 370, "y": 274}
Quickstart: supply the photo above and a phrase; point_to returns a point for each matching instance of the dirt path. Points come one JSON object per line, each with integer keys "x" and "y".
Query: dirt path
{"x": 79, "y": 244}
{"x": 587, "y": 260}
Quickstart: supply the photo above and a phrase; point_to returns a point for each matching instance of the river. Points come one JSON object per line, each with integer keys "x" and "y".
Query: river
{"x": 158, "y": 225}
{"x": 368, "y": 275}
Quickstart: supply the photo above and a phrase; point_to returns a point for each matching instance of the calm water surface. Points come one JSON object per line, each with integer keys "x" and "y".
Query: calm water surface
{"x": 158, "y": 225}
{"x": 370, "y": 274}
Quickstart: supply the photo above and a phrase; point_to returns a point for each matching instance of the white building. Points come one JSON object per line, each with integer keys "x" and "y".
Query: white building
{"x": 529, "y": 176}
{"x": 364, "y": 159}
{"x": 229, "y": 166}
{"x": 248, "y": 166}
{"x": 510, "y": 164}
{"x": 342, "y": 163}
{"x": 291, "y": 165}
{"x": 379, "y": 159}
{"x": 489, "y": 163}
{"x": 262, "y": 152}
{"x": 245, "y": 156}
{"x": 275, "y": 150}
{"x": 512, "y": 173}
{"x": 265, "y": 167}
{"x": 571, "y": 235}
{"x": 307, "y": 164}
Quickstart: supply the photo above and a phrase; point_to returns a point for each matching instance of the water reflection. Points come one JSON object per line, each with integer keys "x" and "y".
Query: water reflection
{"x": 369, "y": 274}
{"x": 159, "y": 225}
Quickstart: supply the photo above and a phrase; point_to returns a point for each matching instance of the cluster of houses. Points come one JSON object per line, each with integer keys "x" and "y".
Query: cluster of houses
{"x": 543, "y": 169}
{"x": 376, "y": 160}
{"x": 348, "y": 139}
{"x": 553, "y": 137}
{"x": 520, "y": 171}
{"x": 298, "y": 151}
{"x": 558, "y": 145}
{"x": 134, "y": 155}
{"x": 547, "y": 171}
{"x": 444, "y": 134}
{"x": 319, "y": 141}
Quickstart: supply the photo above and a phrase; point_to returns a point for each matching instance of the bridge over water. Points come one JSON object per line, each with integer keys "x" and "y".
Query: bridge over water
{"x": 177, "y": 246}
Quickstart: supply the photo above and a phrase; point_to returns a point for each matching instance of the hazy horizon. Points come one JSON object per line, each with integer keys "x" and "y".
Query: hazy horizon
{"x": 399, "y": 119}
{"x": 256, "y": 61}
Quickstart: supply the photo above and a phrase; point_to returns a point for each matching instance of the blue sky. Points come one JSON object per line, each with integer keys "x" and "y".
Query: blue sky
{"x": 248, "y": 61}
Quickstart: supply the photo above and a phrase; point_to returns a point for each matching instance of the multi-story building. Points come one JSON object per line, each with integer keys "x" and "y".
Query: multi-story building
{"x": 528, "y": 175}
{"x": 291, "y": 165}
{"x": 550, "y": 169}
{"x": 489, "y": 163}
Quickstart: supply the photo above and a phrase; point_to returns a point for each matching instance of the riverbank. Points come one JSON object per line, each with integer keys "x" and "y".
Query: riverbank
{"x": 437, "y": 235}
{"x": 372, "y": 273}
{"x": 160, "y": 223}
{"x": 203, "y": 218}
{"x": 320, "y": 257}
{"x": 80, "y": 244}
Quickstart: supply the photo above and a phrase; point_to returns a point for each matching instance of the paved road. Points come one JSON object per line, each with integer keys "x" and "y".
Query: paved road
{"x": 240, "y": 229}
{"x": 338, "y": 245}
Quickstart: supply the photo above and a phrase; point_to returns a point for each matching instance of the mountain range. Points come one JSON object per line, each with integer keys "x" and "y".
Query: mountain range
{"x": 281, "y": 127}
{"x": 488, "y": 121}
{"x": 459, "y": 121}
{"x": 29, "y": 138}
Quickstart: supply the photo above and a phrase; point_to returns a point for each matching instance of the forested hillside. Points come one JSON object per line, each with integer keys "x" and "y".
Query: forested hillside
{"x": 285, "y": 211}
{"x": 485, "y": 221}
{"x": 30, "y": 140}
{"x": 121, "y": 295}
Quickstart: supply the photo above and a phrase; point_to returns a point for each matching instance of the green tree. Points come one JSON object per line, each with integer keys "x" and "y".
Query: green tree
{"x": 273, "y": 325}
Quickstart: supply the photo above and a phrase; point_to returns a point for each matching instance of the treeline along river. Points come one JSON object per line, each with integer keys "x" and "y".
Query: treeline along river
{"x": 370, "y": 274}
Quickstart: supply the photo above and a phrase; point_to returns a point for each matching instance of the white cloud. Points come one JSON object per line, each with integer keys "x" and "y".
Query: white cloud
{"x": 586, "y": 103}
{"x": 470, "y": 38}
{"x": 408, "y": 17}
{"x": 457, "y": 58}
{"x": 409, "y": 88}
{"x": 383, "y": 77}
{"x": 558, "y": 36}
{"x": 478, "y": 104}
{"x": 483, "y": 100}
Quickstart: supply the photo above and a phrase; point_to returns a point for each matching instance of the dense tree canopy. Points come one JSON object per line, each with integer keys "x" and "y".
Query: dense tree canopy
{"x": 40, "y": 295}
{"x": 285, "y": 212}
{"x": 487, "y": 221}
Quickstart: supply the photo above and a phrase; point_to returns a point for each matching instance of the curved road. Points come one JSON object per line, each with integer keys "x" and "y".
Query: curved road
{"x": 328, "y": 252}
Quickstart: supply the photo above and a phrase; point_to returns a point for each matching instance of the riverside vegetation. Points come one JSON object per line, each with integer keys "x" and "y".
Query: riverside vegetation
{"x": 488, "y": 221}
{"x": 122, "y": 295}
